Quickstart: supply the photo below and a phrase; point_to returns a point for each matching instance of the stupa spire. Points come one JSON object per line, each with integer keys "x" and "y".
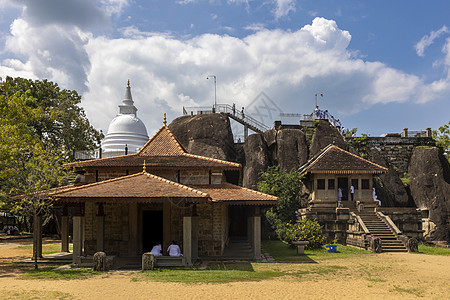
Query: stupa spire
{"x": 127, "y": 107}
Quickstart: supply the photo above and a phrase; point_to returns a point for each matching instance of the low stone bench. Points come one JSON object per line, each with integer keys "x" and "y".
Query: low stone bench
{"x": 300, "y": 246}
{"x": 171, "y": 261}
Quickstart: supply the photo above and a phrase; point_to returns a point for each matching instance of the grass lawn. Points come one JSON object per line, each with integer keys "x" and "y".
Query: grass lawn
{"x": 284, "y": 253}
{"x": 223, "y": 272}
{"x": 433, "y": 250}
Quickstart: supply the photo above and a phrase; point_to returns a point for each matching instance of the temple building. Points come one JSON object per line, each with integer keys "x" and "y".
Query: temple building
{"x": 126, "y": 132}
{"x": 332, "y": 176}
{"x": 126, "y": 204}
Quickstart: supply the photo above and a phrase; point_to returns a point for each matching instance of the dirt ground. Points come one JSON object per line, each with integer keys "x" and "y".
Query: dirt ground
{"x": 380, "y": 276}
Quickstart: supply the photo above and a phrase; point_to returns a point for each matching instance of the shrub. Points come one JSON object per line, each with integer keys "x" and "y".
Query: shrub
{"x": 304, "y": 230}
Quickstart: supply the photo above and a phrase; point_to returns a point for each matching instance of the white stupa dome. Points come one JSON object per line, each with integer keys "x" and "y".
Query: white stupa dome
{"x": 125, "y": 130}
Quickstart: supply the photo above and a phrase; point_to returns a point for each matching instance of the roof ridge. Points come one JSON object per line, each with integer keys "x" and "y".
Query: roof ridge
{"x": 175, "y": 184}
{"x": 375, "y": 164}
{"x": 213, "y": 159}
{"x": 165, "y": 128}
{"x": 97, "y": 183}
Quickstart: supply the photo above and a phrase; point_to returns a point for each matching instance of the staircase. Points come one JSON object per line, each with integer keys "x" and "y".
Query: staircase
{"x": 378, "y": 228}
{"x": 238, "y": 248}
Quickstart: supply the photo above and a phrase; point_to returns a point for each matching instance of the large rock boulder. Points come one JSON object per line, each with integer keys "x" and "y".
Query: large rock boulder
{"x": 429, "y": 172}
{"x": 208, "y": 135}
{"x": 256, "y": 159}
{"x": 270, "y": 136}
{"x": 292, "y": 150}
{"x": 389, "y": 188}
{"x": 324, "y": 135}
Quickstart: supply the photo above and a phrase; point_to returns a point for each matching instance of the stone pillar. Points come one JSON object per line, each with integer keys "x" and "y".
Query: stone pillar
{"x": 256, "y": 236}
{"x": 77, "y": 239}
{"x": 429, "y": 132}
{"x": 37, "y": 235}
{"x": 405, "y": 132}
{"x": 190, "y": 238}
{"x": 100, "y": 228}
{"x": 65, "y": 233}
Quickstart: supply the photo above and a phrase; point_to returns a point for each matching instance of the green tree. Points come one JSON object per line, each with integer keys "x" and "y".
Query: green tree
{"x": 286, "y": 186}
{"x": 41, "y": 127}
{"x": 442, "y": 137}
{"x": 57, "y": 120}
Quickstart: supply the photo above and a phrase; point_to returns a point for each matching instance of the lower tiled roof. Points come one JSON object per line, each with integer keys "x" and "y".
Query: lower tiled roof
{"x": 140, "y": 187}
{"x": 233, "y": 194}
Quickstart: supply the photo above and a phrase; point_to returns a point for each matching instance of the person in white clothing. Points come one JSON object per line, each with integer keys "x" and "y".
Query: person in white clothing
{"x": 174, "y": 249}
{"x": 374, "y": 197}
{"x": 339, "y": 194}
{"x": 352, "y": 191}
{"x": 156, "y": 250}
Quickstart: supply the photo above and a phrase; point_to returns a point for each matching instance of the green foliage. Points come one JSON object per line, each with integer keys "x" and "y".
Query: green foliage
{"x": 405, "y": 179}
{"x": 43, "y": 110}
{"x": 304, "y": 230}
{"x": 351, "y": 132}
{"x": 359, "y": 143}
{"x": 433, "y": 250}
{"x": 442, "y": 137}
{"x": 286, "y": 186}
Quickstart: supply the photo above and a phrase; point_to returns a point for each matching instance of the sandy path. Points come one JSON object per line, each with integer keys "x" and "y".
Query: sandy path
{"x": 382, "y": 276}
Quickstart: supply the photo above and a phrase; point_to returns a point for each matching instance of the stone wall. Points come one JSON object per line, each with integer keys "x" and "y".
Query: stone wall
{"x": 397, "y": 150}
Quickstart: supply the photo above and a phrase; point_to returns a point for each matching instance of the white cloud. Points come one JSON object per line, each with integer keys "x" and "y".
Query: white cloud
{"x": 283, "y": 8}
{"x": 52, "y": 52}
{"x": 114, "y": 7}
{"x": 427, "y": 40}
{"x": 168, "y": 73}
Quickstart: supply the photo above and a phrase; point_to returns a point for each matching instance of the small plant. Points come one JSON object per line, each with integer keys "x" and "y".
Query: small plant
{"x": 304, "y": 230}
{"x": 405, "y": 179}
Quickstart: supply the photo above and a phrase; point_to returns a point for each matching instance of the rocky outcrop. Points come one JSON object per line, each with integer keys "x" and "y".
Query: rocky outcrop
{"x": 389, "y": 188}
{"x": 324, "y": 135}
{"x": 208, "y": 135}
{"x": 429, "y": 172}
{"x": 292, "y": 150}
{"x": 256, "y": 159}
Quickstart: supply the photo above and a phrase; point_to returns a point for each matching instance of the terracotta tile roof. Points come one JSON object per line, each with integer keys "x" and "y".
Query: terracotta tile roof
{"x": 161, "y": 151}
{"x": 233, "y": 194}
{"x": 142, "y": 187}
{"x": 163, "y": 143}
{"x": 333, "y": 159}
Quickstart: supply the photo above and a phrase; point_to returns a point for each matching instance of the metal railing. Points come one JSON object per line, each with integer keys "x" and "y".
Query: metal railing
{"x": 239, "y": 116}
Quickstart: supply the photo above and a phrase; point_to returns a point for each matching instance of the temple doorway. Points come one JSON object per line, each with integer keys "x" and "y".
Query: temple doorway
{"x": 152, "y": 229}
{"x": 343, "y": 184}
{"x": 238, "y": 221}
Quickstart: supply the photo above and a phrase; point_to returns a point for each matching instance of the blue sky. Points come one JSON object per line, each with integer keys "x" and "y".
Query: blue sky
{"x": 381, "y": 65}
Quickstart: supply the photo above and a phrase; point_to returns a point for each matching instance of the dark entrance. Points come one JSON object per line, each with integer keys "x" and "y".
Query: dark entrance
{"x": 152, "y": 229}
{"x": 238, "y": 221}
{"x": 343, "y": 184}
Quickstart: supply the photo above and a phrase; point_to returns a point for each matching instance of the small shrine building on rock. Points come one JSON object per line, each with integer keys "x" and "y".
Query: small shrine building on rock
{"x": 126, "y": 204}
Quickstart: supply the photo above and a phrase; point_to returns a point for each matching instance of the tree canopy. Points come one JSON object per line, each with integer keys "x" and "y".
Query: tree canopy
{"x": 48, "y": 113}
{"x": 286, "y": 186}
{"x": 442, "y": 137}
{"x": 41, "y": 126}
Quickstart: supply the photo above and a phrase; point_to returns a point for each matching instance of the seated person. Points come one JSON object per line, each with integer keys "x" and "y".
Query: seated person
{"x": 156, "y": 250}
{"x": 174, "y": 249}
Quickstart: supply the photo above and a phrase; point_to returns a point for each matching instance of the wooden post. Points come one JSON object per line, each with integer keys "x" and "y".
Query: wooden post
{"x": 100, "y": 228}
